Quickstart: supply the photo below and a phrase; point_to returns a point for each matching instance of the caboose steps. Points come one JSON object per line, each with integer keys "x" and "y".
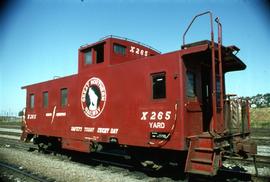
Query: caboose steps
{"x": 198, "y": 172}
{"x": 203, "y": 156}
{"x": 201, "y": 160}
{"x": 203, "y": 149}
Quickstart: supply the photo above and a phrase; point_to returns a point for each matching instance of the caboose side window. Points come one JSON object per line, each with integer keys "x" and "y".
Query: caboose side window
{"x": 190, "y": 84}
{"x": 64, "y": 99}
{"x": 119, "y": 49}
{"x": 32, "y": 101}
{"x": 159, "y": 86}
{"x": 99, "y": 49}
{"x": 45, "y": 99}
{"x": 88, "y": 57}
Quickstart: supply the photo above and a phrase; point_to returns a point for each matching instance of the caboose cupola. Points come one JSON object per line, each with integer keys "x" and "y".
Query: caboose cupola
{"x": 112, "y": 50}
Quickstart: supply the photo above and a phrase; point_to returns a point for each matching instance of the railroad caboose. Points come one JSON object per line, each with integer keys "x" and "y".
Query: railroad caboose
{"x": 154, "y": 106}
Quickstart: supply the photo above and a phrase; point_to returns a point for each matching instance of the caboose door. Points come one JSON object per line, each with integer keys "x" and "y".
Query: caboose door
{"x": 193, "y": 97}
{"x": 198, "y": 100}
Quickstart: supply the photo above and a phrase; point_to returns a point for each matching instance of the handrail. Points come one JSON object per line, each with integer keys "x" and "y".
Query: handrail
{"x": 217, "y": 20}
{"x": 195, "y": 17}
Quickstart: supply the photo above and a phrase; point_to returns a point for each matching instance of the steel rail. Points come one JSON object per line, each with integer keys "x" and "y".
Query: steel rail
{"x": 258, "y": 158}
{"x": 24, "y": 173}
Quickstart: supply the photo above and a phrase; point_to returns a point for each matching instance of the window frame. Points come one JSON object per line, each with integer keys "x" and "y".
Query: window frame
{"x": 63, "y": 97}
{"x": 160, "y": 96}
{"x": 187, "y": 90}
{"x": 45, "y": 103}
{"x": 31, "y": 100}
{"x": 85, "y": 53}
{"x": 99, "y": 53}
{"x": 119, "y": 51}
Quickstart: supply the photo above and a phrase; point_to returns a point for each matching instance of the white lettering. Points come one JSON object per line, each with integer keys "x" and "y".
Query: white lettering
{"x": 156, "y": 116}
{"x": 76, "y": 128}
{"x": 114, "y": 131}
{"x": 157, "y": 125}
{"x": 144, "y": 114}
{"x": 48, "y": 114}
{"x": 31, "y": 116}
{"x": 132, "y": 48}
{"x": 142, "y": 52}
{"x": 168, "y": 115}
{"x": 103, "y": 130}
{"x": 59, "y": 114}
{"x": 160, "y": 115}
{"x": 138, "y": 51}
{"x": 153, "y": 116}
{"x": 89, "y": 129}
{"x": 145, "y": 53}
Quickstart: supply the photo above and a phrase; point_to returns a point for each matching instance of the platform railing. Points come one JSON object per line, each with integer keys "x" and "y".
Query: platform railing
{"x": 192, "y": 21}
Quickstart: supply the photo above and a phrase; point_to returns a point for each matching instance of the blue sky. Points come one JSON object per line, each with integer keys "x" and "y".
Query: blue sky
{"x": 40, "y": 39}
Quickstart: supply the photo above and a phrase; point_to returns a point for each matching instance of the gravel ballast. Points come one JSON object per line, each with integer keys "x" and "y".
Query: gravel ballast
{"x": 65, "y": 170}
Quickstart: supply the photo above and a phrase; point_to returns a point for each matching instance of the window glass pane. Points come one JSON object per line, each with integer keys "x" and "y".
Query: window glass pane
{"x": 88, "y": 57}
{"x": 32, "y": 101}
{"x": 190, "y": 84}
{"x": 99, "y": 53}
{"x": 64, "y": 93}
{"x": 45, "y": 99}
{"x": 119, "y": 49}
{"x": 159, "y": 86}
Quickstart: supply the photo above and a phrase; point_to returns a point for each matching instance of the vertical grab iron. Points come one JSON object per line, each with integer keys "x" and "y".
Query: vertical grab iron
{"x": 220, "y": 72}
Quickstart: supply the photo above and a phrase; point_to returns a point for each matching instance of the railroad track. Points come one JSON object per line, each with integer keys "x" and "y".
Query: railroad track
{"x": 259, "y": 163}
{"x": 17, "y": 144}
{"x": 101, "y": 159}
{"x": 96, "y": 161}
{"x": 107, "y": 161}
{"x": 255, "y": 158}
{"x": 19, "y": 173}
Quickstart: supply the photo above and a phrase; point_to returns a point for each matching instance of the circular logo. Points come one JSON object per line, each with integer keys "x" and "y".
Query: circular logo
{"x": 93, "y": 97}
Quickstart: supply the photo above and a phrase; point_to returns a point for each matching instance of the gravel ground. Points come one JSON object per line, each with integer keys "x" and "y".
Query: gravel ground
{"x": 263, "y": 169}
{"x": 65, "y": 170}
{"x": 9, "y": 175}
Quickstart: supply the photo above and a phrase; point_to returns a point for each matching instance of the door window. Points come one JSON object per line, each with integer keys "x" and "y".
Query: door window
{"x": 190, "y": 84}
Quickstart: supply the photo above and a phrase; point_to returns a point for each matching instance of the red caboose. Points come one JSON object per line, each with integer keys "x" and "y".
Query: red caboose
{"x": 129, "y": 95}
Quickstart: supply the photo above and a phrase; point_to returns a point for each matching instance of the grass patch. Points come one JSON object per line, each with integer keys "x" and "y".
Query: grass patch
{"x": 260, "y": 117}
{"x": 11, "y": 121}
{"x": 260, "y": 124}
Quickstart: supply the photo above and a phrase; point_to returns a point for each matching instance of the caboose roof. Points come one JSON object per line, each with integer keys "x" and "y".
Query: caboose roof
{"x": 104, "y": 39}
{"x": 230, "y": 61}
{"x": 56, "y": 79}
